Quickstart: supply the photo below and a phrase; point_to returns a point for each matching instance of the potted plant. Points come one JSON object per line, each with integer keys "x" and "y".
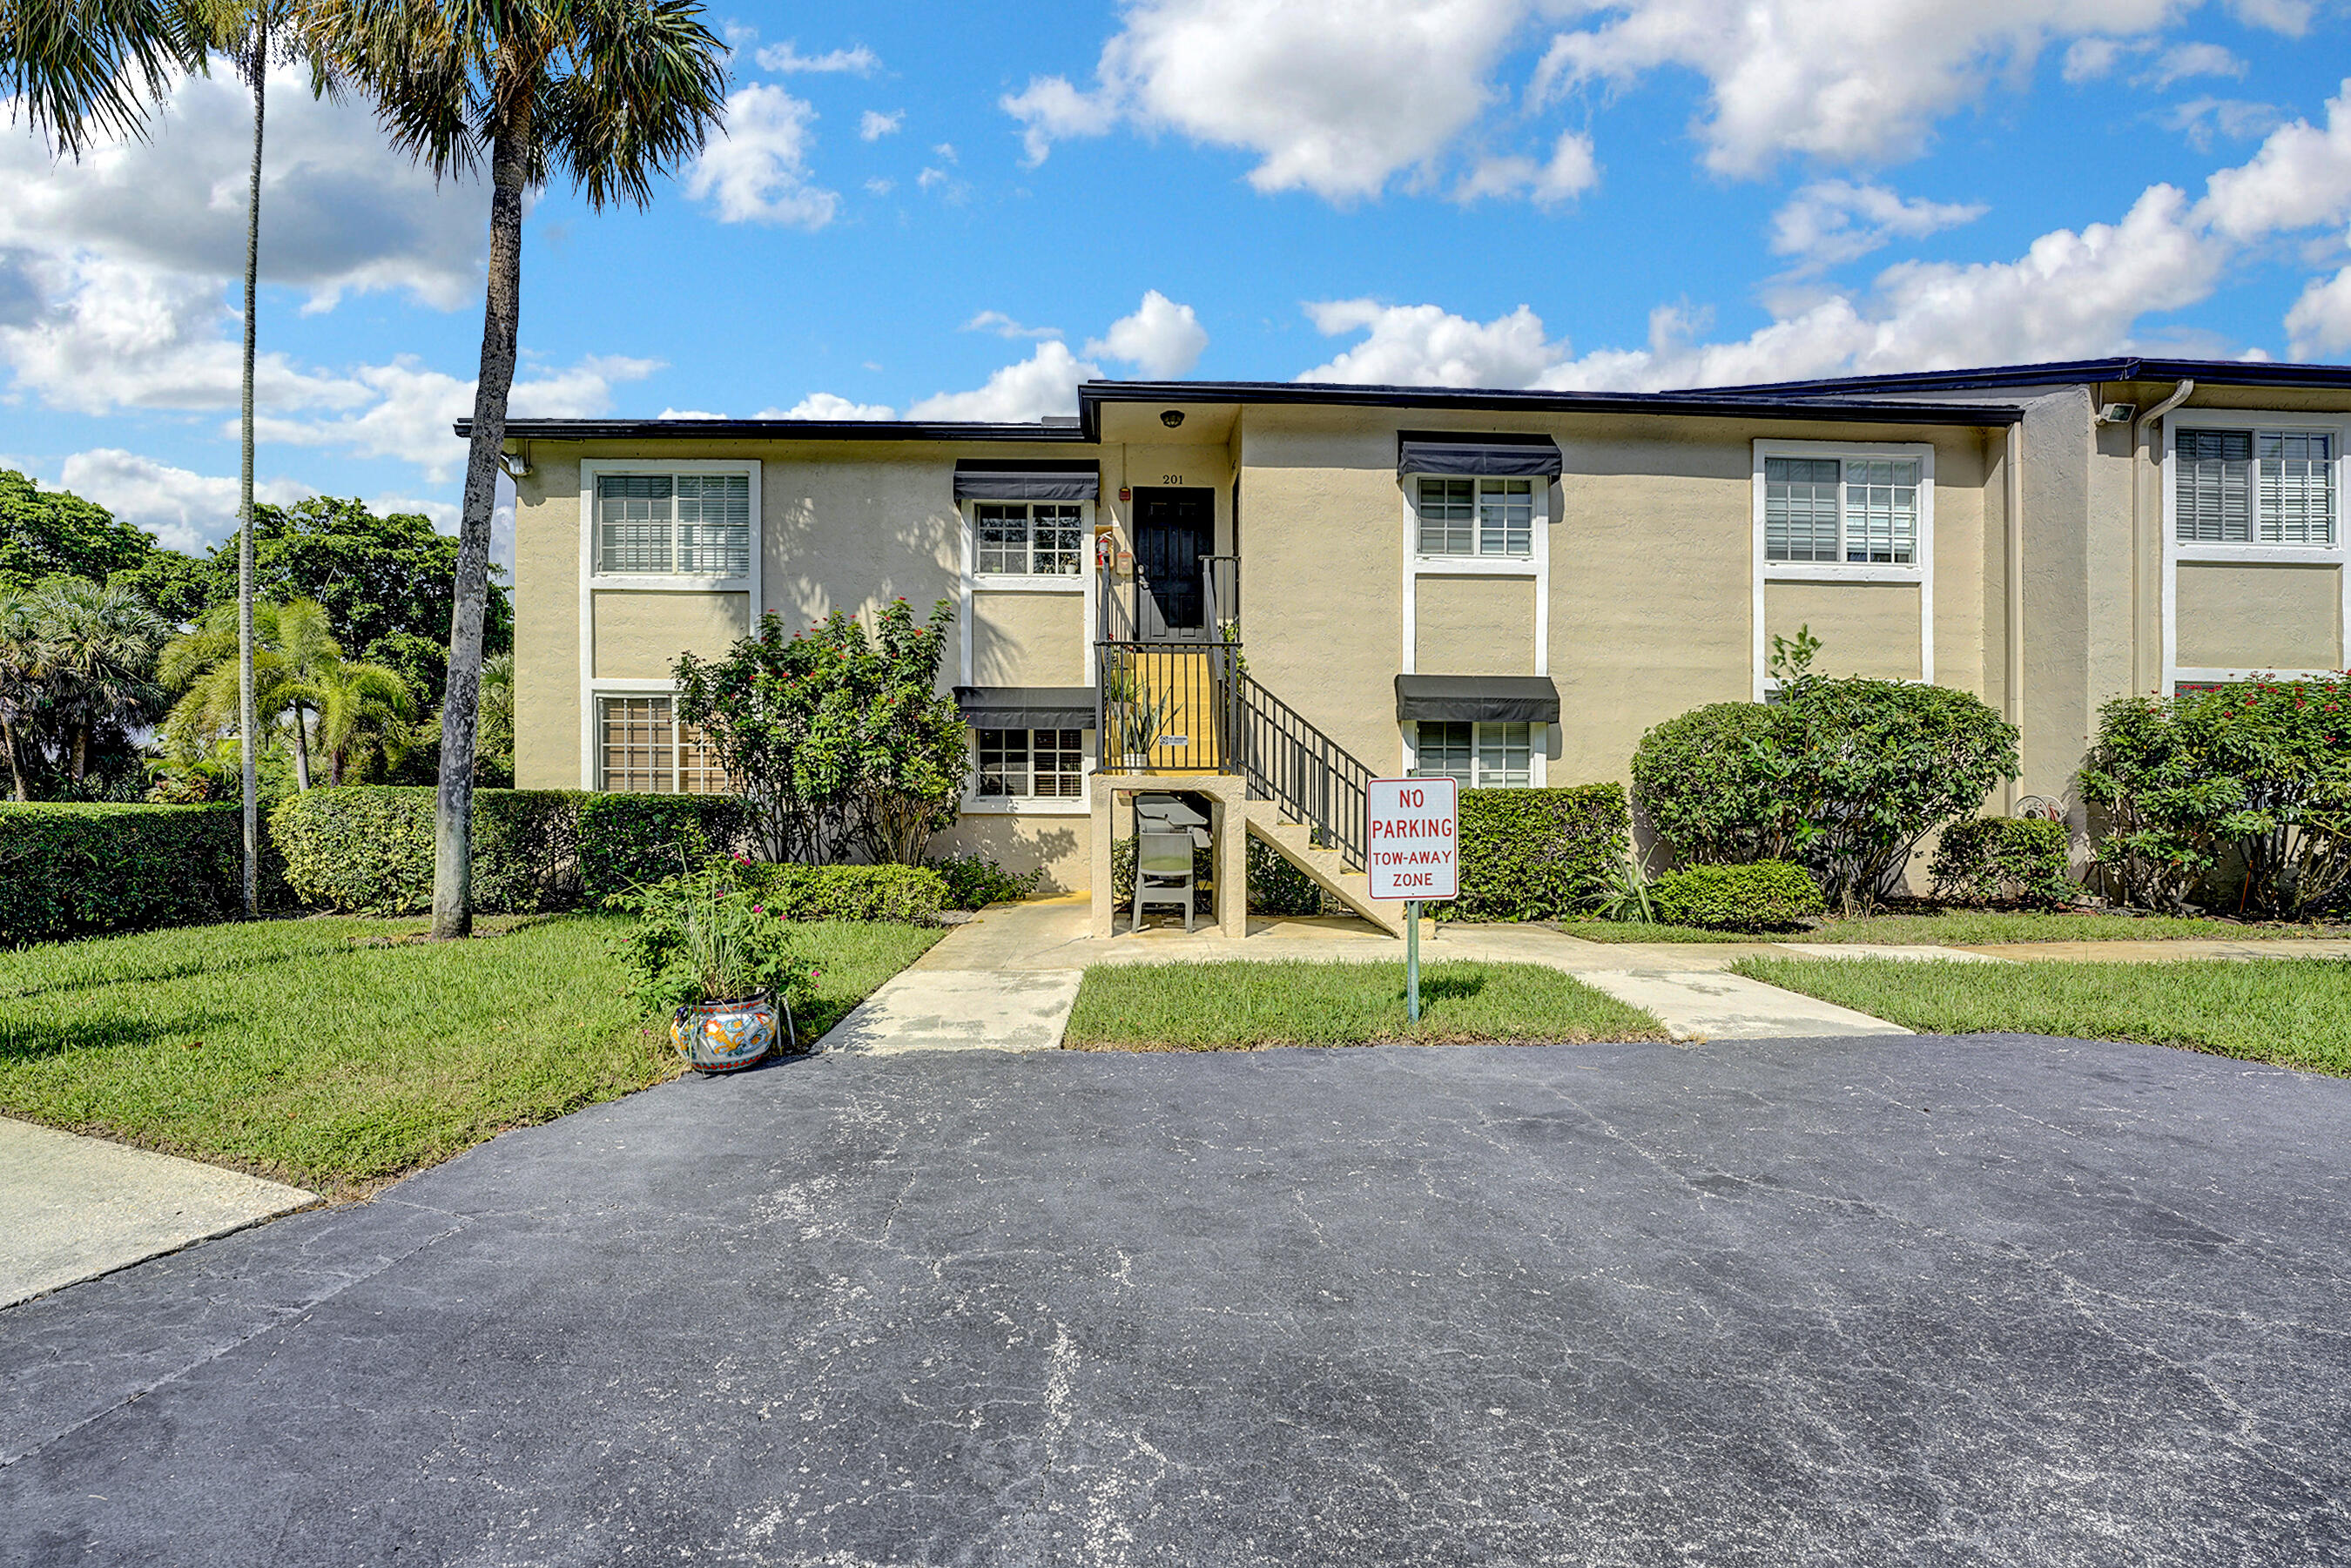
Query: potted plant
{"x": 706, "y": 952}
{"x": 1136, "y": 714}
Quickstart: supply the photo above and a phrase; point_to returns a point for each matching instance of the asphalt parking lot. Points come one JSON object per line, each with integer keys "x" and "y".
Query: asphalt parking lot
{"x": 1859, "y": 1300}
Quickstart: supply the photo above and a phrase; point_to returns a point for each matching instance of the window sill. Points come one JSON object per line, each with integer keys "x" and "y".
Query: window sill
{"x": 668, "y": 582}
{"x": 1475, "y": 565}
{"x": 991, "y": 582}
{"x": 1839, "y": 571}
{"x": 2289, "y": 555}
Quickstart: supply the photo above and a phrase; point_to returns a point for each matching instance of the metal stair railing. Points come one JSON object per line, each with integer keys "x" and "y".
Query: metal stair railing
{"x": 1304, "y": 772}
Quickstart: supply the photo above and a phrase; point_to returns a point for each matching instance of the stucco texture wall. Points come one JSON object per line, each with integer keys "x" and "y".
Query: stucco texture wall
{"x": 1474, "y": 626}
{"x": 2269, "y": 617}
{"x": 1023, "y": 843}
{"x": 547, "y": 626}
{"x": 639, "y": 635}
{"x": 1027, "y": 639}
{"x": 1864, "y": 627}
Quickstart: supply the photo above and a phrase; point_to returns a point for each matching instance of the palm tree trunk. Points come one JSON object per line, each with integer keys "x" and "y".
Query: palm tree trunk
{"x": 16, "y": 767}
{"x": 301, "y": 749}
{"x": 80, "y": 751}
{"x": 247, "y": 718}
{"x": 452, "y": 814}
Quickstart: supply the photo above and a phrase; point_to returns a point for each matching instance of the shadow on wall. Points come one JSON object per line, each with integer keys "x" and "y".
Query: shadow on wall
{"x": 1021, "y": 846}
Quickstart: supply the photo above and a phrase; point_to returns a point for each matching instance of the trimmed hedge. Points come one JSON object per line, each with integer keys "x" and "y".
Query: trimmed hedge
{"x": 1758, "y": 896}
{"x": 975, "y": 882}
{"x": 1537, "y": 855}
{"x": 1988, "y": 858}
{"x": 909, "y": 895}
{"x": 625, "y": 840}
{"x": 73, "y": 869}
{"x": 368, "y": 849}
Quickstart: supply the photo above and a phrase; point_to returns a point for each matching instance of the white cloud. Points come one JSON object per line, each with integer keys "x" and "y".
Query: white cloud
{"x": 2320, "y": 321}
{"x": 414, "y": 407}
{"x": 1335, "y": 98}
{"x": 2087, "y": 60}
{"x": 687, "y": 413}
{"x": 2301, "y": 178}
{"x": 879, "y": 186}
{"x": 1004, "y": 325}
{"x": 1572, "y": 170}
{"x": 2291, "y": 17}
{"x": 1421, "y": 345}
{"x": 1046, "y": 382}
{"x": 1162, "y": 339}
{"x": 826, "y": 405}
{"x": 2184, "y": 60}
{"x": 2204, "y": 119}
{"x": 1849, "y": 80}
{"x": 874, "y": 124}
{"x": 784, "y": 59}
{"x": 757, "y": 172}
{"x": 1831, "y": 222}
{"x": 184, "y": 509}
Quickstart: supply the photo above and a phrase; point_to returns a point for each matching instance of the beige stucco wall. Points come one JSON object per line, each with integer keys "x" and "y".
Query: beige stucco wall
{"x": 1028, "y": 639}
{"x": 1023, "y": 843}
{"x": 547, "y": 626}
{"x": 1864, "y": 627}
{"x": 1474, "y": 626}
{"x": 640, "y": 635}
{"x": 2260, "y": 616}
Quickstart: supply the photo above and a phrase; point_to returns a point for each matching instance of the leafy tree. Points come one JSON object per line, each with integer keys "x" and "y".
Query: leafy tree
{"x": 362, "y": 709}
{"x": 614, "y": 93}
{"x": 840, "y": 740}
{"x": 77, "y": 69}
{"x": 2251, "y": 782}
{"x": 77, "y": 674}
{"x": 56, "y": 533}
{"x": 494, "y": 763}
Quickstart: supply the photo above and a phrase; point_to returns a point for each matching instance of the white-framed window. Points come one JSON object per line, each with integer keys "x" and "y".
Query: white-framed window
{"x": 1857, "y": 510}
{"x": 658, "y": 525}
{"x": 1476, "y": 516}
{"x": 1030, "y": 764}
{"x": 1027, "y": 539}
{"x": 1481, "y": 756}
{"x": 2253, "y": 486}
{"x": 640, "y": 746}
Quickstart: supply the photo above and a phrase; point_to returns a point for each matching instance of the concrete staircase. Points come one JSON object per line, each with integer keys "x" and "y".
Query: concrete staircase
{"x": 1294, "y": 843}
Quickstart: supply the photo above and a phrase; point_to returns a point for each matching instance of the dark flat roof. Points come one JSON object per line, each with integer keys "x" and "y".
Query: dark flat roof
{"x": 2120, "y": 367}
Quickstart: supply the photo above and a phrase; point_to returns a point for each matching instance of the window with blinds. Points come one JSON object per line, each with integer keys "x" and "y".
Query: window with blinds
{"x": 1476, "y": 516}
{"x": 643, "y": 748}
{"x": 1023, "y": 539}
{"x": 1859, "y": 511}
{"x": 696, "y": 525}
{"x": 2254, "y": 487}
{"x": 1481, "y": 756}
{"x": 1032, "y": 764}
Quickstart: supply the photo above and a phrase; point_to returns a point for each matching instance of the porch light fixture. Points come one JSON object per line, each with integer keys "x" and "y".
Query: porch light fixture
{"x": 1171, "y": 417}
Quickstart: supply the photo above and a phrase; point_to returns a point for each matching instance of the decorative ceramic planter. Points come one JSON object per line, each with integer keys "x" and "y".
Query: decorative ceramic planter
{"x": 718, "y": 1036}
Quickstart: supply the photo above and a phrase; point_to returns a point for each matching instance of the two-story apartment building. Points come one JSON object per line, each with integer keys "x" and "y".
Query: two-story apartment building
{"x": 1295, "y": 587}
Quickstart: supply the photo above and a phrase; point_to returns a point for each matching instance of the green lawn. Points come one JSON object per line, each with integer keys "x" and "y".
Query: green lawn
{"x": 1970, "y": 927}
{"x": 2295, "y": 1012}
{"x": 1239, "y": 1005}
{"x": 319, "y": 1053}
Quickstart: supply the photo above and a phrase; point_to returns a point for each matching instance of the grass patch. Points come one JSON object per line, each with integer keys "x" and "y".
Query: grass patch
{"x": 2295, "y": 1012}
{"x": 1235, "y": 1006}
{"x": 1971, "y": 928}
{"x": 319, "y": 1053}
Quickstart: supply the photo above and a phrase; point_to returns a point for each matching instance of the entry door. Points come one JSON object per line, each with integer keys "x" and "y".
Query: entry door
{"x": 1172, "y": 529}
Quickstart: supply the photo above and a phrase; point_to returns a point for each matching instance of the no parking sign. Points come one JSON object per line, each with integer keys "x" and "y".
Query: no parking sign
{"x": 1415, "y": 843}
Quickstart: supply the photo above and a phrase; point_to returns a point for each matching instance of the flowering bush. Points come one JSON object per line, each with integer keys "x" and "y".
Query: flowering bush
{"x": 2248, "y": 784}
{"x": 703, "y": 937}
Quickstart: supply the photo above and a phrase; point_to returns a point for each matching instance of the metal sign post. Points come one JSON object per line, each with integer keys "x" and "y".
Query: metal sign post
{"x": 1412, "y": 829}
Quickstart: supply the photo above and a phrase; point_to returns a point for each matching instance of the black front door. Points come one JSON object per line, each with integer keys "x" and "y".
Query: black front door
{"x": 1172, "y": 529}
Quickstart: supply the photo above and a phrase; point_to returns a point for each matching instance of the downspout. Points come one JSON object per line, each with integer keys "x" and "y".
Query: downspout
{"x": 2179, "y": 394}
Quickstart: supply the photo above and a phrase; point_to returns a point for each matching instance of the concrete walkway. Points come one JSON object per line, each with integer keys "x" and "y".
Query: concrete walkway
{"x": 72, "y": 1208}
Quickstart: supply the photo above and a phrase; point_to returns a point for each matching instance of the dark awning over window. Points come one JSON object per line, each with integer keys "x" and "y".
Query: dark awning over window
{"x": 1028, "y": 479}
{"x": 1497, "y": 455}
{"x": 1492, "y": 699}
{"x": 1027, "y": 707}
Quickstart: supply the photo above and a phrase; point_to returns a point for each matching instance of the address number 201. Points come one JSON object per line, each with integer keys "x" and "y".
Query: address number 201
{"x": 1171, "y": 478}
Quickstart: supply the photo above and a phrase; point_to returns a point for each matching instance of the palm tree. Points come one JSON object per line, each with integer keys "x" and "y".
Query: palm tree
{"x": 612, "y": 92}
{"x": 97, "y": 654}
{"x": 21, "y": 655}
{"x": 298, "y": 670}
{"x": 82, "y": 70}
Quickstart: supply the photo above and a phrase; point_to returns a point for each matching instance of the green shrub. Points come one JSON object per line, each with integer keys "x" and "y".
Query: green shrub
{"x": 68, "y": 870}
{"x": 975, "y": 882}
{"x": 368, "y": 849}
{"x": 2256, "y": 778}
{"x": 1844, "y": 775}
{"x": 910, "y": 894}
{"x": 1761, "y": 896}
{"x": 1276, "y": 887}
{"x": 1536, "y": 854}
{"x": 629, "y": 838}
{"x": 1986, "y": 859}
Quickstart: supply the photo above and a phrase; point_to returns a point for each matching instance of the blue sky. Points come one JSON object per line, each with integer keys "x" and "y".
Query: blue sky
{"x": 965, "y": 209}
